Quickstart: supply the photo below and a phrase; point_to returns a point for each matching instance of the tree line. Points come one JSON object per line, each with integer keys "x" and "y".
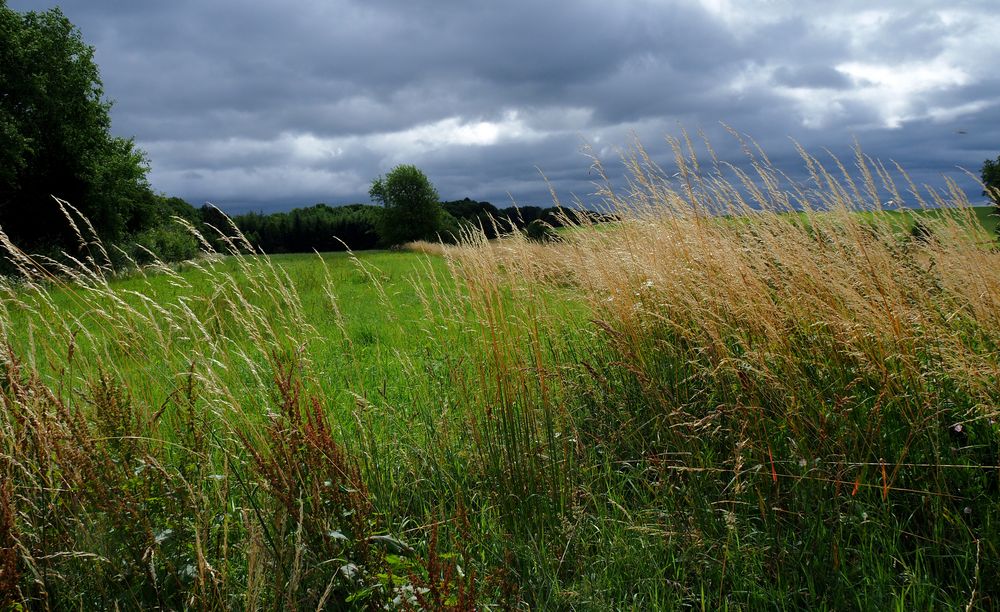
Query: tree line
{"x": 357, "y": 227}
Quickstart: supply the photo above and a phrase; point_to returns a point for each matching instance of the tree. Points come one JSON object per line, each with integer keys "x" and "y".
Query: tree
{"x": 55, "y": 138}
{"x": 991, "y": 179}
{"x": 411, "y": 207}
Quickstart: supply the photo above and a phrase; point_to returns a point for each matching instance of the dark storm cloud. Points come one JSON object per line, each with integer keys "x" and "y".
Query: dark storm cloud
{"x": 266, "y": 104}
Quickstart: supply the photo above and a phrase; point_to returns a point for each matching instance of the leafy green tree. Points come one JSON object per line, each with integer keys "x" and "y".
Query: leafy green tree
{"x": 991, "y": 179}
{"x": 55, "y": 137}
{"x": 411, "y": 207}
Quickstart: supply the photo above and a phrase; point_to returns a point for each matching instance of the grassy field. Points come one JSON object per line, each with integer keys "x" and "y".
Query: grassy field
{"x": 669, "y": 413}
{"x": 980, "y": 217}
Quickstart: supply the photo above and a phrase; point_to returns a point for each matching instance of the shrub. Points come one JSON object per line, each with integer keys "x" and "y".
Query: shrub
{"x": 540, "y": 231}
{"x": 165, "y": 242}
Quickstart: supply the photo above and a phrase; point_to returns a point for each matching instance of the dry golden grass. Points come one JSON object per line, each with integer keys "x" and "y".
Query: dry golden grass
{"x": 427, "y": 248}
{"x": 745, "y": 278}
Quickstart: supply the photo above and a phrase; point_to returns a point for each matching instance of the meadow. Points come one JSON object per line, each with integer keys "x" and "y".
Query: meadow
{"x": 674, "y": 411}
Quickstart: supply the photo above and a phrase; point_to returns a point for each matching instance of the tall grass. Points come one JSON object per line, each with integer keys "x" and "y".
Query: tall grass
{"x": 179, "y": 453}
{"x": 806, "y": 403}
{"x": 708, "y": 403}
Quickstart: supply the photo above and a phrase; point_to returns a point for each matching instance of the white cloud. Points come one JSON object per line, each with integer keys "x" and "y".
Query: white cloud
{"x": 452, "y": 131}
{"x": 742, "y": 16}
{"x": 903, "y": 67}
{"x": 897, "y": 91}
{"x": 310, "y": 148}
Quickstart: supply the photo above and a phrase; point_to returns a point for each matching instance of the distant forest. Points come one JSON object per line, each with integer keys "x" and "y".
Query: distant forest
{"x": 335, "y": 228}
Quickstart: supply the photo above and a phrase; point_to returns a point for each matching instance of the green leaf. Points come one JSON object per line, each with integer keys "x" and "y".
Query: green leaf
{"x": 392, "y": 545}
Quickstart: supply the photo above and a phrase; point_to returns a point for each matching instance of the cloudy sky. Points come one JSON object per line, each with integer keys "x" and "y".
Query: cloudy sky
{"x": 263, "y": 105}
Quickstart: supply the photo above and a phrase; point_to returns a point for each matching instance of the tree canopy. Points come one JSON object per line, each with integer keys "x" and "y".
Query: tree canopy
{"x": 319, "y": 227}
{"x": 991, "y": 179}
{"x": 55, "y": 138}
{"x": 411, "y": 207}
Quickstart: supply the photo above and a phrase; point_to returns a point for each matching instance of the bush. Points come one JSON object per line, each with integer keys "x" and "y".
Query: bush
{"x": 165, "y": 242}
{"x": 539, "y": 231}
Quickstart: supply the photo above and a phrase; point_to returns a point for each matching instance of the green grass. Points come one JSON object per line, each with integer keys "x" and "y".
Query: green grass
{"x": 984, "y": 216}
{"x": 628, "y": 534}
{"x": 382, "y": 339}
{"x": 901, "y": 221}
{"x": 660, "y": 414}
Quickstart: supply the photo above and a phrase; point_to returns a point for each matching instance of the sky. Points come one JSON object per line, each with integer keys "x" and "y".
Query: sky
{"x": 267, "y": 105}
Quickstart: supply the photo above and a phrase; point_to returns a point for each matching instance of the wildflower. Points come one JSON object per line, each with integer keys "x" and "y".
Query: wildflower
{"x": 958, "y": 434}
{"x": 730, "y": 520}
{"x": 408, "y": 594}
{"x": 349, "y": 571}
{"x": 163, "y": 535}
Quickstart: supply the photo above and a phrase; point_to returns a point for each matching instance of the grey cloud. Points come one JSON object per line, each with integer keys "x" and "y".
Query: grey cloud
{"x": 909, "y": 36}
{"x": 824, "y": 77}
{"x": 225, "y": 95}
